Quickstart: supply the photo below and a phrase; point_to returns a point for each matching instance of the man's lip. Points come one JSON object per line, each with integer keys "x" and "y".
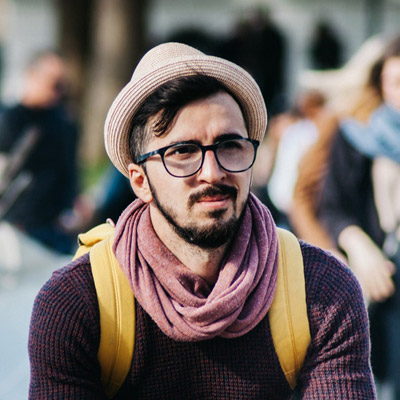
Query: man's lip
{"x": 213, "y": 196}
{"x": 216, "y": 198}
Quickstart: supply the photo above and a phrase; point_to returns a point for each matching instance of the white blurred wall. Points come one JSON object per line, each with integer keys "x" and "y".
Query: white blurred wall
{"x": 28, "y": 25}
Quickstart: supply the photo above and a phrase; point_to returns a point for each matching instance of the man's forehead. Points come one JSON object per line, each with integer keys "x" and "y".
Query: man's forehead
{"x": 192, "y": 118}
{"x": 223, "y": 98}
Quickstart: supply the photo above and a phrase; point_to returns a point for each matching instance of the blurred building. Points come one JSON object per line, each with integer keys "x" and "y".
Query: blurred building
{"x": 26, "y": 25}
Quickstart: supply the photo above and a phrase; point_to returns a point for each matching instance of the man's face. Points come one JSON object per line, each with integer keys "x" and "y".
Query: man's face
{"x": 203, "y": 209}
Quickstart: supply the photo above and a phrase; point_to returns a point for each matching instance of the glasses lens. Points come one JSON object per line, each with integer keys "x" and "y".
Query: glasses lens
{"x": 236, "y": 155}
{"x": 183, "y": 159}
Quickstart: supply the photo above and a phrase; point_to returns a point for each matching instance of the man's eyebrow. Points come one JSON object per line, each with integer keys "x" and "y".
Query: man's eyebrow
{"x": 223, "y": 136}
{"x": 174, "y": 142}
{"x": 228, "y": 136}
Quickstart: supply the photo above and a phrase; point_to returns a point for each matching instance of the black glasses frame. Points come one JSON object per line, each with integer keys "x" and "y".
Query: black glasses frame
{"x": 213, "y": 147}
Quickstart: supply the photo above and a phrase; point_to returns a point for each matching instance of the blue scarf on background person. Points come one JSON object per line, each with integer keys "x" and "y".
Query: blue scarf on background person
{"x": 379, "y": 137}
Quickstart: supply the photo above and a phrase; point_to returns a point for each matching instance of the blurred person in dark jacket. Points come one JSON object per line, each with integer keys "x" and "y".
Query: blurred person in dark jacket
{"x": 325, "y": 48}
{"x": 38, "y": 141}
{"x": 258, "y": 45}
{"x": 360, "y": 205}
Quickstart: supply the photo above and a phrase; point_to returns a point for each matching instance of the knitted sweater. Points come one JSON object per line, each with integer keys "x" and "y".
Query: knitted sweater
{"x": 64, "y": 340}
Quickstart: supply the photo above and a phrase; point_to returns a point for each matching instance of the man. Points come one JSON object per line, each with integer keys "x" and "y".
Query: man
{"x": 39, "y": 139}
{"x": 200, "y": 253}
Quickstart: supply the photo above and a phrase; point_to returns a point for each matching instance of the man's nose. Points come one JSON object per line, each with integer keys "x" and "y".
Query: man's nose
{"x": 211, "y": 171}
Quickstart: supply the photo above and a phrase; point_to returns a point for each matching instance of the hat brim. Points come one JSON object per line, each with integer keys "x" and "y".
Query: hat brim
{"x": 126, "y": 104}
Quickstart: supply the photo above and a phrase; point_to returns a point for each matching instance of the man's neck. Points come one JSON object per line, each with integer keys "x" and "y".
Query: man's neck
{"x": 203, "y": 262}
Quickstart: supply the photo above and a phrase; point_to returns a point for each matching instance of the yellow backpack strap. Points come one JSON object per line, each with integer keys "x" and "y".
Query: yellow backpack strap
{"x": 288, "y": 313}
{"x": 87, "y": 240}
{"x": 117, "y": 316}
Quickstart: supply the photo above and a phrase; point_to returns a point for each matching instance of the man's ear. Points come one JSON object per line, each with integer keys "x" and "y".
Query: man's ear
{"x": 139, "y": 182}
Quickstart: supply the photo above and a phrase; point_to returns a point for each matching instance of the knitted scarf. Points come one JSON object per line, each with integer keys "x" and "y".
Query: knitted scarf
{"x": 178, "y": 300}
{"x": 380, "y": 137}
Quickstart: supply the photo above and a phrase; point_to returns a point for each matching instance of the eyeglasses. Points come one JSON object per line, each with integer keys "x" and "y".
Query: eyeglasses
{"x": 185, "y": 159}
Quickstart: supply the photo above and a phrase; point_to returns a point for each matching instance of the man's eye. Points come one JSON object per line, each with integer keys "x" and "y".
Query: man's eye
{"x": 182, "y": 150}
{"x": 231, "y": 145}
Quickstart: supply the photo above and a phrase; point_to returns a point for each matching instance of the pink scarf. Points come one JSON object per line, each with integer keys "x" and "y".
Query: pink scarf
{"x": 178, "y": 300}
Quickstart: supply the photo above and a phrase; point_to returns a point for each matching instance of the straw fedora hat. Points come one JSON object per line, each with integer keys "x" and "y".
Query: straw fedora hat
{"x": 164, "y": 63}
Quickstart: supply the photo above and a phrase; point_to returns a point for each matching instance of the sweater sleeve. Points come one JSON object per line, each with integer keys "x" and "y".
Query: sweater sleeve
{"x": 64, "y": 337}
{"x": 337, "y": 365}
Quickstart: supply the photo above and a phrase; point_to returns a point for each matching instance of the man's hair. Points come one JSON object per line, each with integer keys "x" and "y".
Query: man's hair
{"x": 166, "y": 101}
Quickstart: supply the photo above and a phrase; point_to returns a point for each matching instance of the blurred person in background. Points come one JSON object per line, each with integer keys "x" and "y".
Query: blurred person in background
{"x": 38, "y": 141}
{"x": 297, "y": 129}
{"x": 310, "y": 173}
{"x": 116, "y": 195}
{"x": 106, "y": 200}
{"x": 265, "y": 162}
{"x": 360, "y": 205}
{"x": 259, "y": 46}
{"x": 325, "y": 48}
{"x": 337, "y": 87}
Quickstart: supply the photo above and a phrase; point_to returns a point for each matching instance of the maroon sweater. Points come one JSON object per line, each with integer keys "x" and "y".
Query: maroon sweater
{"x": 65, "y": 334}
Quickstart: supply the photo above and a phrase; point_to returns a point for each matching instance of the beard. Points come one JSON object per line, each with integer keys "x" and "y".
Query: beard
{"x": 218, "y": 232}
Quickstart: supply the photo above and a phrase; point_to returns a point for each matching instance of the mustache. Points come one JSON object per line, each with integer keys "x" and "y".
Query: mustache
{"x": 218, "y": 189}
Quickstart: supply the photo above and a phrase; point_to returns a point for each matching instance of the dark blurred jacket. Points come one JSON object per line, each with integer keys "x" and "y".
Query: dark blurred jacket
{"x": 348, "y": 199}
{"x": 51, "y": 164}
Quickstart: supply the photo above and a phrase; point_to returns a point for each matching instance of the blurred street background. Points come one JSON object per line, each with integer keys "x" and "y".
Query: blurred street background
{"x": 280, "y": 42}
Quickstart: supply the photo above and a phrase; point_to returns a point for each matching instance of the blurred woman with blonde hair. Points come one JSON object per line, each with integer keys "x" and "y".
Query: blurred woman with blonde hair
{"x": 360, "y": 205}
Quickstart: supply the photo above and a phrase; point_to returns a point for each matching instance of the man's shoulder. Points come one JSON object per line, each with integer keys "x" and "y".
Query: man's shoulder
{"x": 64, "y": 332}
{"x": 74, "y": 279}
{"x": 67, "y": 302}
{"x": 78, "y": 269}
